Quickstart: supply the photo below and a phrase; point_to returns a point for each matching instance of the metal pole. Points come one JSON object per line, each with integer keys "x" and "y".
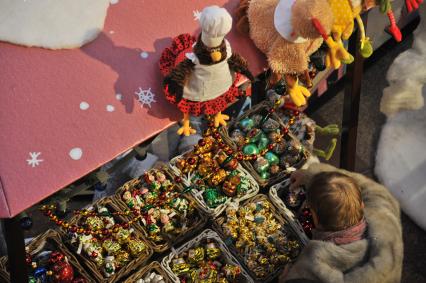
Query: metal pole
{"x": 16, "y": 250}
{"x": 353, "y": 80}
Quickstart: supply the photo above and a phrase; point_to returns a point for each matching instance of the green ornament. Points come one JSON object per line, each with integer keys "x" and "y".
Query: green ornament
{"x": 246, "y": 124}
{"x": 250, "y": 149}
{"x": 265, "y": 175}
{"x": 261, "y": 165}
{"x": 255, "y": 135}
{"x": 272, "y": 158}
{"x": 263, "y": 142}
{"x": 213, "y": 197}
{"x": 31, "y": 279}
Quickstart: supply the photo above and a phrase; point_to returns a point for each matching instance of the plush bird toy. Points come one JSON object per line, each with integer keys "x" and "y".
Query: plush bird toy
{"x": 288, "y": 32}
{"x": 202, "y": 76}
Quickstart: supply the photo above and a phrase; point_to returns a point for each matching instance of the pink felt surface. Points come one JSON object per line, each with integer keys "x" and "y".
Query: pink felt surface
{"x": 41, "y": 92}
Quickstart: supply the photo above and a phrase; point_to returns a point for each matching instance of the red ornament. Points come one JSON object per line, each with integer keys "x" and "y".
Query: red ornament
{"x": 201, "y": 142}
{"x": 63, "y": 272}
{"x": 178, "y": 179}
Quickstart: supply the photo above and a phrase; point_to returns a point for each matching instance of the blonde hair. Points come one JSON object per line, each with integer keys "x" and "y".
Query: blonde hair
{"x": 336, "y": 200}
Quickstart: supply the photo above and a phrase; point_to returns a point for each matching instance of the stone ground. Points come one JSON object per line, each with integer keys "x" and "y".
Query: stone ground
{"x": 370, "y": 124}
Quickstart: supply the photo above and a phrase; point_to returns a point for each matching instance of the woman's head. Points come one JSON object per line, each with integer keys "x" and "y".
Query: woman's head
{"x": 335, "y": 200}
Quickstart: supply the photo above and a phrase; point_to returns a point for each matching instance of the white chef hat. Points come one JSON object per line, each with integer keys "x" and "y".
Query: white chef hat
{"x": 215, "y": 23}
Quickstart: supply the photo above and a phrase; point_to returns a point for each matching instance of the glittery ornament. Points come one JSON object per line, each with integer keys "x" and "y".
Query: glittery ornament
{"x": 275, "y": 136}
{"x": 213, "y": 197}
{"x": 280, "y": 147}
{"x": 213, "y": 252}
{"x": 272, "y": 158}
{"x": 265, "y": 175}
{"x": 254, "y": 135}
{"x": 196, "y": 255}
{"x": 136, "y": 247}
{"x": 122, "y": 258}
{"x": 250, "y": 149}
{"x": 263, "y": 142}
{"x": 111, "y": 246}
{"x": 274, "y": 169}
{"x": 270, "y": 125}
{"x": 237, "y": 136}
{"x": 261, "y": 165}
{"x": 246, "y": 124}
{"x": 179, "y": 266}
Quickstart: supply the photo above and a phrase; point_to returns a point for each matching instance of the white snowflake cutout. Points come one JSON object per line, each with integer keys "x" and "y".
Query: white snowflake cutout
{"x": 34, "y": 161}
{"x": 145, "y": 97}
{"x": 196, "y": 14}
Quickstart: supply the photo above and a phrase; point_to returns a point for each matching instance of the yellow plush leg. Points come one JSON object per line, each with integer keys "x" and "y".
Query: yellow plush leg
{"x": 186, "y": 127}
{"x": 220, "y": 119}
{"x": 297, "y": 92}
{"x": 337, "y": 54}
{"x": 366, "y": 48}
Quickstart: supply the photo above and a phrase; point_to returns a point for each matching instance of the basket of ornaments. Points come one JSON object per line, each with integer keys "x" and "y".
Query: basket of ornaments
{"x": 49, "y": 260}
{"x": 271, "y": 152}
{"x": 213, "y": 173}
{"x": 205, "y": 258}
{"x": 169, "y": 214}
{"x": 107, "y": 241}
{"x": 258, "y": 235}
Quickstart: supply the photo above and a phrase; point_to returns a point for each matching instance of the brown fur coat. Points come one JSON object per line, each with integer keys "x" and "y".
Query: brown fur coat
{"x": 376, "y": 259}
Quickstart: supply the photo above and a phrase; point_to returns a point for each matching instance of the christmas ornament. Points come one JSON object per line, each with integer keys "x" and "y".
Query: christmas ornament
{"x": 204, "y": 263}
{"x": 201, "y": 76}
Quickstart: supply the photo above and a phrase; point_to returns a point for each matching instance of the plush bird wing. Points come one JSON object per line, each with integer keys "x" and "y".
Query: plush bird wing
{"x": 175, "y": 81}
{"x": 239, "y": 64}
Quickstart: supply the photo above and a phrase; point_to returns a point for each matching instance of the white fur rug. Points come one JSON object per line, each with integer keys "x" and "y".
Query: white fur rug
{"x": 401, "y": 161}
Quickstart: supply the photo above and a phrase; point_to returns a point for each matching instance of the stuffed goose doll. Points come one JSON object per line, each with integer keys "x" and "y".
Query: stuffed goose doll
{"x": 202, "y": 75}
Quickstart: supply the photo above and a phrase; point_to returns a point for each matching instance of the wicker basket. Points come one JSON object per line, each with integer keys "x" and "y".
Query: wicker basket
{"x": 51, "y": 240}
{"x": 284, "y": 174}
{"x": 198, "y": 194}
{"x": 274, "y": 195}
{"x": 206, "y": 234}
{"x": 132, "y": 265}
{"x": 280, "y": 219}
{"x": 153, "y": 266}
{"x": 197, "y": 223}
{"x": 4, "y": 275}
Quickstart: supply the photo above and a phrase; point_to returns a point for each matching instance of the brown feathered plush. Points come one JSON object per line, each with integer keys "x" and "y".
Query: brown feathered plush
{"x": 201, "y": 76}
{"x": 288, "y": 32}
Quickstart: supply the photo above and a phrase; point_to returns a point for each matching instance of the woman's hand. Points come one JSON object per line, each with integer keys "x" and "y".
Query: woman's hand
{"x": 297, "y": 179}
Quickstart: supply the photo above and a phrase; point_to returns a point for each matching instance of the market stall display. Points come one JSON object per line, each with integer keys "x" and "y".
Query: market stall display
{"x": 151, "y": 273}
{"x": 106, "y": 242}
{"x": 49, "y": 261}
{"x": 274, "y": 152}
{"x": 169, "y": 214}
{"x": 214, "y": 175}
{"x": 259, "y": 236}
{"x": 206, "y": 257}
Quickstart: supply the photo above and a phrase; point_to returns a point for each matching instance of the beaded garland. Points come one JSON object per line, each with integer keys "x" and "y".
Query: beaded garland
{"x": 48, "y": 211}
